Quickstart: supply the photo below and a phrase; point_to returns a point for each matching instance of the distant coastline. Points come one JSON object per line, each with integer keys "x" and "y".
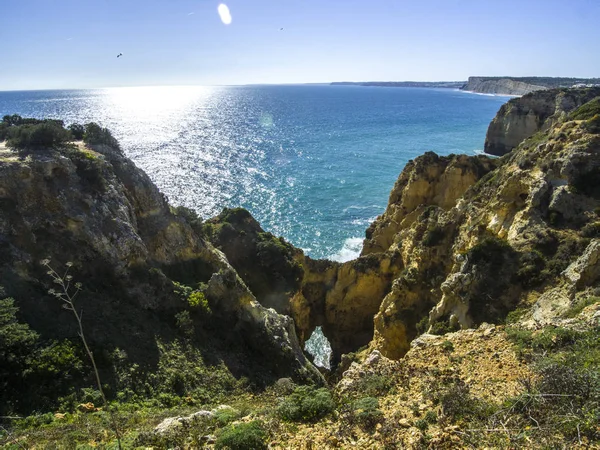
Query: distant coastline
{"x": 422, "y": 84}
{"x": 502, "y": 86}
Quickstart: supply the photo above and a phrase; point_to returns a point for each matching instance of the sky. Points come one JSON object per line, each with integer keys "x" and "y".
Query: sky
{"x": 61, "y": 44}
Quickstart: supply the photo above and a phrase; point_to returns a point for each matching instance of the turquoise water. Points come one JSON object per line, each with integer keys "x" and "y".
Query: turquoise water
{"x": 314, "y": 164}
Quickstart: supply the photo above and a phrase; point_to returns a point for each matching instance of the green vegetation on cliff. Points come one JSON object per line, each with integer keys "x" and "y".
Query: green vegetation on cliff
{"x": 30, "y": 134}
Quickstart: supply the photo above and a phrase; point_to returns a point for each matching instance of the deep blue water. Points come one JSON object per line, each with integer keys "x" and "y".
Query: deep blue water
{"x": 314, "y": 164}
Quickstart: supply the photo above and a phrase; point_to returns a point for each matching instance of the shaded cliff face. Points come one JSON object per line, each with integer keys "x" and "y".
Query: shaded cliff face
{"x": 94, "y": 208}
{"x": 521, "y": 118}
{"x": 502, "y": 86}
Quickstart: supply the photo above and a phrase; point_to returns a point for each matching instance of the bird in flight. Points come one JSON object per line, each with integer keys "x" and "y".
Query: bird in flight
{"x": 119, "y": 55}
{"x": 281, "y": 29}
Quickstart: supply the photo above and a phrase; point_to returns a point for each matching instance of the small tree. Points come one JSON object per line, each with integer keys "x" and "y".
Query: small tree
{"x": 66, "y": 293}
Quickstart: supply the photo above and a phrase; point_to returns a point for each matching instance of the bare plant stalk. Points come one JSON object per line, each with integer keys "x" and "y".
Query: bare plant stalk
{"x": 67, "y": 294}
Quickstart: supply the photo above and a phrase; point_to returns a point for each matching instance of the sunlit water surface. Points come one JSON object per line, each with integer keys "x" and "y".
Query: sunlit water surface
{"x": 314, "y": 164}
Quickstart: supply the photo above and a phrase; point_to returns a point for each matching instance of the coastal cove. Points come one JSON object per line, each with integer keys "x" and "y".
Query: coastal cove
{"x": 314, "y": 164}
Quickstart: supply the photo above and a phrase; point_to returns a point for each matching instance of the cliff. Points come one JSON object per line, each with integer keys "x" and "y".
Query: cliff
{"x": 139, "y": 261}
{"x": 521, "y": 118}
{"x": 463, "y": 241}
{"x": 497, "y": 237}
{"x": 501, "y": 86}
{"x": 523, "y": 85}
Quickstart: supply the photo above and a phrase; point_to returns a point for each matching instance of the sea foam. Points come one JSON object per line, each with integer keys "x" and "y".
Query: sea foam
{"x": 350, "y": 250}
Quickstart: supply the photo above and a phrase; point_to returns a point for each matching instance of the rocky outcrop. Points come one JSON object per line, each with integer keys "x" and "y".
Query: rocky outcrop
{"x": 501, "y": 86}
{"x": 429, "y": 181}
{"x": 92, "y": 207}
{"x": 525, "y": 233}
{"x": 521, "y": 118}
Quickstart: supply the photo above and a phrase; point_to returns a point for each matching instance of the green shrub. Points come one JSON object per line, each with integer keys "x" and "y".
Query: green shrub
{"x": 551, "y": 338}
{"x": 423, "y": 325}
{"x": 531, "y": 265}
{"x": 587, "y": 111}
{"x": 243, "y": 436}
{"x": 90, "y": 171}
{"x": 49, "y": 133}
{"x": 516, "y": 315}
{"x": 565, "y": 393}
{"x": 422, "y": 424}
{"x": 306, "y": 404}
{"x": 374, "y": 385}
{"x": 185, "y": 323}
{"x": 593, "y": 124}
{"x": 16, "y": 339}
{"x": 191, "y": 217}
{"x": 3, "y": 130}
{"x": 366, "y": 412}
{"x": 97, "y": 135}
{"x": 36, "y": 421}
{"x": 431, "y": 416}
{"x": 443, "y": 326}
{"x": 490, "y": 250}
{"x": 198, "y": 300}
{"x": 457, "y": 403}
{"x": 447, "y": 346}
{"x": 194, "y": 298}
{"x": 17, "y": 343}
{"x": 224, "y": 416}
{"x": 579, "y": 306}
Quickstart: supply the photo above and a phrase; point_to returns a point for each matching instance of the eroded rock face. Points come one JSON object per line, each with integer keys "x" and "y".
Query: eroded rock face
{"x": 521, "y": 118}
{"x": 94, "y": 208}
{"x": 428, "y": 181}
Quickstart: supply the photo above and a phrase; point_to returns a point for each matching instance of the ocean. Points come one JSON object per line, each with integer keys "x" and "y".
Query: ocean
{"x": 313, "y": 163}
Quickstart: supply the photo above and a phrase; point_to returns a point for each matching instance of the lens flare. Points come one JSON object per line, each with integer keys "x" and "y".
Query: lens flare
{"x": 224, "y": 13}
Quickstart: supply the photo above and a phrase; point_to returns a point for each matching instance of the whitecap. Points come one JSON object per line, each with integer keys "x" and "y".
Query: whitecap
{"x": 350, "y": 250}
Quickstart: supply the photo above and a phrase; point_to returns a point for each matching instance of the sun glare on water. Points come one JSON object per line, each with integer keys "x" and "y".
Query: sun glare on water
{"x": 146, "y": 102}
{"x": 224, "y": 13}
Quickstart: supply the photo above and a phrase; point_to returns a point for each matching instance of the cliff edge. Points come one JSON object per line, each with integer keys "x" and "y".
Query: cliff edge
{"x": 521, "y": 118}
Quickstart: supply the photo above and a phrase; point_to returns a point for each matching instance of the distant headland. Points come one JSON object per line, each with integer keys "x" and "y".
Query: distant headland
{"x": 488, "y": 85}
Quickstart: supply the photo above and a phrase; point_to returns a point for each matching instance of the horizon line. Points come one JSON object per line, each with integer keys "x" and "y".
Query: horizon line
{"x": 285, "y": 83}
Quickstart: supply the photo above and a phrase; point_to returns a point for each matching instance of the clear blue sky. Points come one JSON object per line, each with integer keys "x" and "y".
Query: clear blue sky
{"x": 74, "y": 43}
